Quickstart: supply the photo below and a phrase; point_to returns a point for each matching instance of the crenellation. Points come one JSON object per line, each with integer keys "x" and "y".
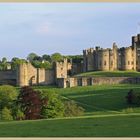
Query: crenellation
{"x": 124, "y": 58}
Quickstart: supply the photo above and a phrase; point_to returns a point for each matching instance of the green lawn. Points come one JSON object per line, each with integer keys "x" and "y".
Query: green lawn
{"x": 99, "y": 99}
{"x": 111, "y": 74}
{"x": 109, "y": 126}
{"x": 106, "y": 114}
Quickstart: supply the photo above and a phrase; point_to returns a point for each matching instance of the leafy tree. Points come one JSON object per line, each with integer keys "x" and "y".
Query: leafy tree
{"x": 46, "y": 57}
{"x": 7, "y": 95}
{"x": 56, "y": 57}
{"x": 3, "y": 64}
{"x": 72, "y": 109}
{"x": 4, "y": 60}
{"x": 6, "y": 114}
{"x": 30, "y": 102}
{"x": 54, "y": 107}
{"x": 31, "y": 56}
{"x": 75, "y": 58}
{"x": 16, "y": 61}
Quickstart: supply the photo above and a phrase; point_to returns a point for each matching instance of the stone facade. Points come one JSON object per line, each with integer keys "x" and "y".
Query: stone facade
{"x": 125, "y": 58}
{"x": 26, "y": 74}
{"x": 90, "y": 81}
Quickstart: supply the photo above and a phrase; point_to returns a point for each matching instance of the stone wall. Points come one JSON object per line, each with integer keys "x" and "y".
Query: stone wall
{"x": 125, "y": 58}
{"x": 8, "y": 77}
{"x": 88, "y": 81}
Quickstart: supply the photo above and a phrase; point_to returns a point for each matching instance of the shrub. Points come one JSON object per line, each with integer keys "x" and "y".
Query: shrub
{"x": 133, "y": 97}
{"x": 54, "y": 107}
{"x": 6, "y": 114}
{"x": 30, "y": 103}
{"x": 7, "y": 95}
{"x": 72, "y": 109}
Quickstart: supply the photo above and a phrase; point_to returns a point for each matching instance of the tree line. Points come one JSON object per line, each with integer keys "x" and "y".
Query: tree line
{"x": 45, "y": 61}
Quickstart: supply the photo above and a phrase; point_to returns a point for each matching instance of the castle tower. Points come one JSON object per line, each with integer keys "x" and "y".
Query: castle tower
{"x": 61, "y": 69}
{"x": 22, "y": 75}
{"x": 115, "y": 56}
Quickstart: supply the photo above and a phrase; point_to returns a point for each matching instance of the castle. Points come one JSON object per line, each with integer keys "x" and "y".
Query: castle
{"x": 125, "y": 58}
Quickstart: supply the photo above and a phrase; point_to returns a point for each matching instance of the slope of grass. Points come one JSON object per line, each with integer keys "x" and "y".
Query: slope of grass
{"x": 111, "y": 74}
{"x": 99, "y": 99}
{"x": 106, "y": 115}
{"x": 110, "y": 126}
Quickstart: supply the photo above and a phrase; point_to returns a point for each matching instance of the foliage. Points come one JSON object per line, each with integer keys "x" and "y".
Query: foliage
{"x": 7, "y": 95}
{"x": 6, "y": 114}
{"x": 54, "y": 107}
{"x": 133, "y": 97}
{"x": 75, "y": 58}
{"x": 56, "y": 57}
{"x": 30, "y": 102}
{"x": 46, "y": 57}
{"x": 31, "y": 56}
{"x": 38, "y": 64}
{"x": 3, "y": 64}
{"x": 17, "y": 61}
{"x": 72, "y": 109}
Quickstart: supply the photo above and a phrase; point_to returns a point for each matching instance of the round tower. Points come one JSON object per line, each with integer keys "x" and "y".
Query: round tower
{"x": 22, "y": 75}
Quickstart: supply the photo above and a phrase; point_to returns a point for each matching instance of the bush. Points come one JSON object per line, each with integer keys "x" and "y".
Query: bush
{"x": 30, "y": 102}
{"x": 54, "y": 107}
{"x": 133, "y": 97}
{"x": 6, "y": 114}
{"x": 7, "y": 95}
{"x": 72, "y": 109}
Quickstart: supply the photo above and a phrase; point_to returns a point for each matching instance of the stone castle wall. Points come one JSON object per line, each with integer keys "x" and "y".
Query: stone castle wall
{"x": 125, "y": 58}
{"x": 89, "y": 81}
{"x": 8, "y": 77}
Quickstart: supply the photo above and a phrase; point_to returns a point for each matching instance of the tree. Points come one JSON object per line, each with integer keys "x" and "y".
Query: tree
{"x": 17, "y": 61}
{"x": 4, "y": 60}
{"x": 54, "y": 107}
{"x": 130, "y": 96}
{"x": 56, "y": 57}
{"x": 46, "y": 57}
{"x": 31, "y": 56}
{"x": 3, "y": 64}
{"x": 6, "y": 114}
{"x": 7, "y": 95}
{"x": 30, "y": 102}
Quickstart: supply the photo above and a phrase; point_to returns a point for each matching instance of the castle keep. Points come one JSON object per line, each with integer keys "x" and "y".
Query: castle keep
{"x": 125, "y": 58}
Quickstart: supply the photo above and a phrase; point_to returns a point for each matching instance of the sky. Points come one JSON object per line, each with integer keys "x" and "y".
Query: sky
{"x": 67, "y": 28}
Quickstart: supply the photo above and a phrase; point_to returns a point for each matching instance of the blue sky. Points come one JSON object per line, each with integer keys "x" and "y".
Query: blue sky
{"x": 68, "y": 28}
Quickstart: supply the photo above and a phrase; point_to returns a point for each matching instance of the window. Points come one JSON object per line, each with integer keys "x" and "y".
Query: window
{"x": 111, "y": 63}
{"x": 132, "y": 63}
{"x": 61, "y": 68}
{"x": 128, "y": 62}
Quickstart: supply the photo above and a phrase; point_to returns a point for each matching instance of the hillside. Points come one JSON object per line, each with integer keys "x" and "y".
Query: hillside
{"x": 110, "y": 74}
{"x": 106, "y": 114}
{"x": 105, "y": 126}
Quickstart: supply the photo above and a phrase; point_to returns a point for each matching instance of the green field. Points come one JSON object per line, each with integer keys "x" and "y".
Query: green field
{"x": 106, "y": 114}
{"x": 111, "y": 74}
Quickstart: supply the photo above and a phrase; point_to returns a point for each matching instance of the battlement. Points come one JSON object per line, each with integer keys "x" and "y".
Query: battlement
{"x": 135, "y": 40}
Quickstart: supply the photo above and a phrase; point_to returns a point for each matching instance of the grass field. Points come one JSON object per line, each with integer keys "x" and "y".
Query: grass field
{"x": 111, "y": 74}
{"x": 75, "y": 127}
{"x": 106, "y": 114}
